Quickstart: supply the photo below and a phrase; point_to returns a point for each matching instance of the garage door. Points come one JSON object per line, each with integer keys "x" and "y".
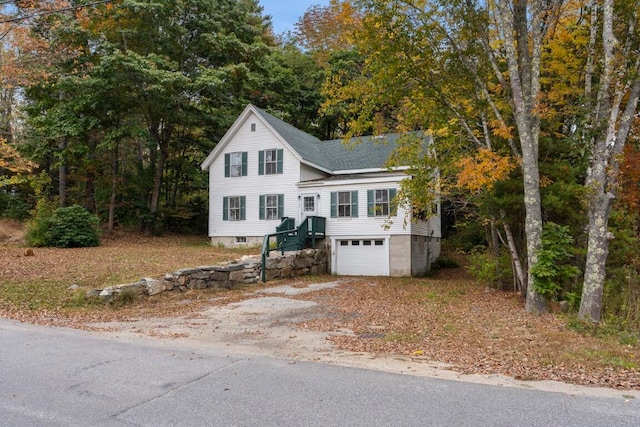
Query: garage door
{"x": 362, "y": 257}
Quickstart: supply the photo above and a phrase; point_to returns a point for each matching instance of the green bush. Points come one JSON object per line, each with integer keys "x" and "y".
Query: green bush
{"x": 553, "y": 268}
{"x": 489, "y": 269}
{"x": 70, "y": 227}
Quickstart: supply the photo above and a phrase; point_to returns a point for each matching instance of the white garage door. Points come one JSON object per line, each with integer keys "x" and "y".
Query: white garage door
{"x": 362, "y": 257}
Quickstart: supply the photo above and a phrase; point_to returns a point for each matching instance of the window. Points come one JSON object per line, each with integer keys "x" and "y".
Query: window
{"x": 242, "y": 239}
{"x": 379, "y": 242}
{"x": 309, "y": 204}
{"x": 233, "y": 208}
{"x": 344, "y": 243}
{"x": 271, "y": 206}
{"x": 381, "y": 202}
{"x": 253, "y": 127}
{"x": 235, "y": 164}
{"x": 270, "y": 162}
{"x": 355, "y": 243}
{"x": 366, "y": 242}
{"x": 344, "y": 204}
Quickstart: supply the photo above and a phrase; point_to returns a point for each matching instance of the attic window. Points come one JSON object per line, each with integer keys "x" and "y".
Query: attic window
{"x": 253, "y": 127}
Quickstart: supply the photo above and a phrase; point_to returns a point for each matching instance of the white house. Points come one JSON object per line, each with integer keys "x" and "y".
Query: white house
{"x": 264, "y": 169}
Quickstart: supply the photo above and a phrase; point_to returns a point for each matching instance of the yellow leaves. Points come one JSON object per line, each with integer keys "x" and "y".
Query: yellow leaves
{"x": 11, "y": 160}
{"x": 483, "y": 170}
{"x": 500, "y": 129}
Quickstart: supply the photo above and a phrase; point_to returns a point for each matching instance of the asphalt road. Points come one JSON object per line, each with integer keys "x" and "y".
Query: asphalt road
{"x": 62, "y": 377}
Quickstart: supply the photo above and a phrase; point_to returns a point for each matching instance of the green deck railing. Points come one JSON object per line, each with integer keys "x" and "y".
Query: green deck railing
{"x": 290, "y": 238}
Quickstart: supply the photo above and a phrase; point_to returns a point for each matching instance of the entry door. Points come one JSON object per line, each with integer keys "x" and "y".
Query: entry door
{"x": 308, "y": 206}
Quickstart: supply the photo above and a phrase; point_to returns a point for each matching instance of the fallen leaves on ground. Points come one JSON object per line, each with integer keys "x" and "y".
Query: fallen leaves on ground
{"x": 453, "y": 319}
{"x": 449, "y": 318}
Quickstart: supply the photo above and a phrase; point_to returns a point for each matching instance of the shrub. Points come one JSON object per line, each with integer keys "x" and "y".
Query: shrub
{"x": 489, "y": 269}
{"x": 69, "y": 227}
{"x": 553, "y": 270}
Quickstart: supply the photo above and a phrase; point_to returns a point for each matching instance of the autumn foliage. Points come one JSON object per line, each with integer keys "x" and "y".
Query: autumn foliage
{"x": 483, "y": 170}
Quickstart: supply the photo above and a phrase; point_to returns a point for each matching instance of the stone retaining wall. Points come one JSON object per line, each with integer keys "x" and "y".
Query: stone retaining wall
{"x": 228, "y": 275}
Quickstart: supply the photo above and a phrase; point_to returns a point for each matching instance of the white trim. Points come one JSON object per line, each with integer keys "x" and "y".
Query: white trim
{"x": 352, "y": 171}
{"x": 315, "y": 166}
{"x": 358, "y": 181}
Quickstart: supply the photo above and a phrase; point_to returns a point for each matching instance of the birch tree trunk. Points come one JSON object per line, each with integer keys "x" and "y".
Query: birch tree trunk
{"x": 515, "y": 260}
{"x": 615, "y": 110}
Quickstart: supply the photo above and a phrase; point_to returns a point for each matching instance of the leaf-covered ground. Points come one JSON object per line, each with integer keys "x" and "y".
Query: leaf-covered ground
{"x": 453, "y": 319}
{"x": 449, "y": 318}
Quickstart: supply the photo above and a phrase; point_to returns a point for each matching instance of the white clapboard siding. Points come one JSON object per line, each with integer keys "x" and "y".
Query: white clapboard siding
{"x": 252, "y": 185}
{"x": 362, "y": 225}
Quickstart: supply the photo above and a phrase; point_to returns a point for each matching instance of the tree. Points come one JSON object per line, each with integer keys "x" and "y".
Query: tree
{"x": 611, "y": 110}
{"x": 323, "y": 30}
{"x": 474, "y": 66}
{"x": 153, "y": 83}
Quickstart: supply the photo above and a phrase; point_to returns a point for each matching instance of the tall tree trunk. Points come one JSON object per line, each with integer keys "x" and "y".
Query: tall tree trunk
{"x": 62, "y": 173}
{"x": 161, "y": 133}
{"x": 524, "y": 72}
{"x": 114, "y": 190}
{"x": 612, "y": 124}
{"x": 157, "y": 178}
{"x": 602, "y": 184}
{"x": 90, "y": 176}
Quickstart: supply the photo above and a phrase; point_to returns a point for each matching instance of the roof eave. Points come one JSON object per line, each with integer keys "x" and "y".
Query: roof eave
{"x": 370, "y": 170}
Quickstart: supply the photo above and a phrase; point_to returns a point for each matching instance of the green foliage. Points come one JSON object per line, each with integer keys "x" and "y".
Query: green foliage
{"x": 467, "y": 235}
{"x": 622, "y": 287}
{"x": 14, "y": 205}
{"x": 611, "y": 327}
{"x": 71, "y": 227}
{"x": 490, "y": 269}
{"x": 552, "y": 271}
{"x": 445, "y": 262}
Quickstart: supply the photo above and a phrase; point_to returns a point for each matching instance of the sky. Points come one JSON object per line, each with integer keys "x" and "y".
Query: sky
{"x": 285, "y": 13}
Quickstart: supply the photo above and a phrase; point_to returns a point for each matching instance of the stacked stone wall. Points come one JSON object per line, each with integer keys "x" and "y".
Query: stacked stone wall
{"x": 246, "y": 270}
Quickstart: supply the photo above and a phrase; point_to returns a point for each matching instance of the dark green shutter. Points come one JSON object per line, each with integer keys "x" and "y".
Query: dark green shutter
{"x": 354, "y": 204}
{"x": 260, "y": 162}
{"x": 393, "y": 205}
{"x": 334, "y": 204}
{"x": 227, "y": 165}
{"x": 262, "y": 207}
{"x": 370, "y": 203}
{"x": 280, "y": 155}
{"x": 244, "y": 163}
{"x": 243, "y": 203}
{"x": 280, "y": 205}
{"x": 225, "y": 209}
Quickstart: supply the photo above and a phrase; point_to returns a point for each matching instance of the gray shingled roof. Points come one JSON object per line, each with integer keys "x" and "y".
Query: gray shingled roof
{"x": 366, "y": 152}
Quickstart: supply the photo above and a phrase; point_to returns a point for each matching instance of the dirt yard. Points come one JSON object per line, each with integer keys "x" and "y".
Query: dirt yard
{"x": 448, "y": 325}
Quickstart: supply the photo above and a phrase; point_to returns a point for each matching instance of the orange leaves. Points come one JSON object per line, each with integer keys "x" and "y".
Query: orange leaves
{"x": 500, "y": 129}
{"x": 11, "y": 160}
{"x": 630, "y": 178}
{"x": 483, "y": 170}
{"x": 324, "y": 29}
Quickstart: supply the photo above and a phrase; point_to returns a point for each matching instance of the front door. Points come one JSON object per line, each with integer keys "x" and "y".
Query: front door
{"x": 308, "y": 205}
